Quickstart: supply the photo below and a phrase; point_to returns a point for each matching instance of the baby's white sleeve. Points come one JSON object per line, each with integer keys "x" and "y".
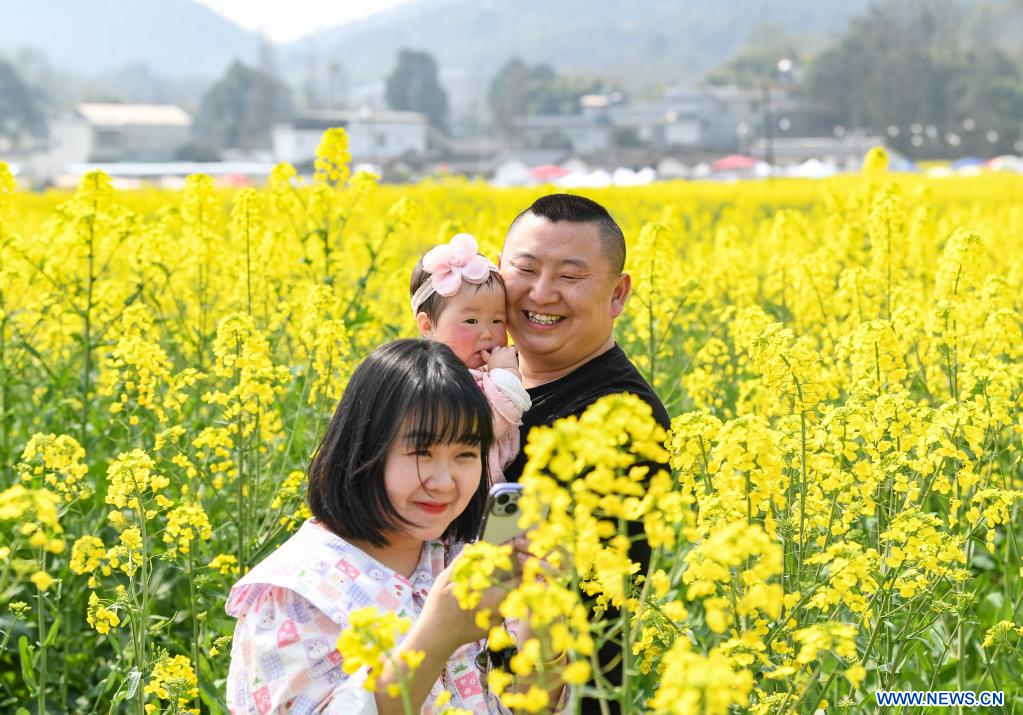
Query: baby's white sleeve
{"x": 509, "y": 384}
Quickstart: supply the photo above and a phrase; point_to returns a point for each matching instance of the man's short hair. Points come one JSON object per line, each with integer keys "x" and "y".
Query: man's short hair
{"x": 579, "y": 209}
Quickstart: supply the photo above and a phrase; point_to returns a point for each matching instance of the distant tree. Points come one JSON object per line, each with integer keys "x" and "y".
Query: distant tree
{"x": 35, "y": 70}
{"x": 625, "y": 137}
{"x": 555, "y": 139}
{"x": 21, "y": 115}
{"x": 414, "y": 86}
{"x": 508, "y": 94}
{"x": 337, "y": 85}
{"x": 551, "y": 93}
{"x": 518, "y": 90}
{"x": 195, "y": 151}
{"x": 924, "y": 70}
{"x": 239, "y": 110}
{"x": 758, "y": 59}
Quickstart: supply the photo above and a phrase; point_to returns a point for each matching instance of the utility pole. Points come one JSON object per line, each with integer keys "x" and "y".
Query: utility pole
{"x": 767, "y": 118}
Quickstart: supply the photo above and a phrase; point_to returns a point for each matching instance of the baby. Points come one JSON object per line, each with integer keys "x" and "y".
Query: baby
{"x": 458, "y": 299}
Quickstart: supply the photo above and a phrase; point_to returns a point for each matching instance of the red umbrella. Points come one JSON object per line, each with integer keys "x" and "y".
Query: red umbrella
{"x": 546, "y": 172}
{"x": 734, "y": 161}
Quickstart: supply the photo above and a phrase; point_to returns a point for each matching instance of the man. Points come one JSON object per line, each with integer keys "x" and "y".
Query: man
{"x": 562, "y": 265}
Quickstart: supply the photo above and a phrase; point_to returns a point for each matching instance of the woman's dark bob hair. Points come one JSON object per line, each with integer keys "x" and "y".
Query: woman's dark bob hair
{"x": 415, "y": 382}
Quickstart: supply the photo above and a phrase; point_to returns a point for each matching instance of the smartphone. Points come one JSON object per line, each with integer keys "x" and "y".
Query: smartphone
{"x": 501, "y": 514}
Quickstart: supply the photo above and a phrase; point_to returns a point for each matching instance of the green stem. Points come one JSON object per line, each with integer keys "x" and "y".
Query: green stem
{"x": 144, "y": 611}
{"x": 961, "y": 661}
{"x": 248, "y": 264}
{"x": 203, "y": 272}
{"x": 941, "y": 659}
{"x": 406, "y": 697}
{"x": 325, "y": 235}
{"x": 41, "y": 620}
{"x": 195, "y": 625}
{"x": 652, "y": 347}
{"x": 6, "y": 458}
{"x": 888, "y": 272}
{"x": 243, "y": 560}
{"x": 257, "y": 468}
{"x": 87, "y": 328}
{"x": 802, "y": 487}
{"x": 623, "y": 619}
{"x": 595, "y": 668}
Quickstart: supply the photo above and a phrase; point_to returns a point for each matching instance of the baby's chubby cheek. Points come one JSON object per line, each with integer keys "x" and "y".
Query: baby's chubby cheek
{"x": 463, "y": 336}
{"x": 469, "y": 336}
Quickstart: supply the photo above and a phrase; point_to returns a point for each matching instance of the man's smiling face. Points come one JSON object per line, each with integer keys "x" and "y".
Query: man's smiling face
{"x": 562, "y": 295}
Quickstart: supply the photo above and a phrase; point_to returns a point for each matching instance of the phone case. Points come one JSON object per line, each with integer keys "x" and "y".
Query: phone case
{"x": 501, "y": 515}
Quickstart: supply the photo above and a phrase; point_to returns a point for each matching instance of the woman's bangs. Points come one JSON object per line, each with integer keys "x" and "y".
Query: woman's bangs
{"x": 433, "y": 424}
{"x": 444, "y": 418}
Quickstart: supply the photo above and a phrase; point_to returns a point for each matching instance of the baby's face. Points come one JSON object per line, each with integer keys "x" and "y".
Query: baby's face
{"x": 472, "y": 322}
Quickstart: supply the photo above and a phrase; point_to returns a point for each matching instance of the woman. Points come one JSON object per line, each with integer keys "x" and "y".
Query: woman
{"x": 394, "y": 487}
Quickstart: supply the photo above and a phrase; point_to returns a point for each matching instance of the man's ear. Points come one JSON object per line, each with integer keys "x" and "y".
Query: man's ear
{"x": 425, "y": 324}
{"x": 623, "y": 285}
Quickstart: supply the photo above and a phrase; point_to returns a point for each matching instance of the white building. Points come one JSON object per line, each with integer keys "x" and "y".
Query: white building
{"x": 687, "y": 118}
{"x": 374, "y": 135}
{"x": 123, "y": 132}
{"x": 579, "y": 133}
{"x": 701, "y": 119}
{"x": 111, "y": 133}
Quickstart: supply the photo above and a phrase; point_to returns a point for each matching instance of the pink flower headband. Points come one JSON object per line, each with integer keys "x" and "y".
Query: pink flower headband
{"x": 448, "y": 265}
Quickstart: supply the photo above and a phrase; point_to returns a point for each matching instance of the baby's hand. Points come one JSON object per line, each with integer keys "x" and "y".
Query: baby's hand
{"x": 507, "y": 357}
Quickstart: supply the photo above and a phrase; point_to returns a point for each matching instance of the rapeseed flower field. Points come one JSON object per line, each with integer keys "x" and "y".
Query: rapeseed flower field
{"x": 842, "y": 361}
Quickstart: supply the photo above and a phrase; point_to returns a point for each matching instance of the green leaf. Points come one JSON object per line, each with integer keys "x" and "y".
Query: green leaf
{"x": 911, "y": 677}
{"x": 27, "y": 654}
{"x": 108, "y": 683}
{"x": 991, "y": 606}
{"x": 134, "y": 677}
{"x": 129, "y": 686}
{"x": 160, "y": 622}
{"x": 51, "y": 635}
{"x": 983, "y": 561}
{"x": 213, "y": 696}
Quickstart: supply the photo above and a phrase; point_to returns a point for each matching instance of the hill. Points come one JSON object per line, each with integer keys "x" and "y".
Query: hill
{"x": 174, "y": 38}
{"x": 640, "y": 42}
{"x": 169, "y": 50}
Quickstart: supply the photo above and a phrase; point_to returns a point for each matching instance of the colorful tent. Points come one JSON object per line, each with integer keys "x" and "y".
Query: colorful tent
{"x": 733, "y": 162}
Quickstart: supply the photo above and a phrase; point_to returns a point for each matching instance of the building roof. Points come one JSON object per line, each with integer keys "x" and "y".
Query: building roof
{"x": 852, "y": 146}
{"x": 658, "y": 113}
{"x": 327, "y": 118}
{"x": 119, "y": 115}
{"x": 851, "y": 142}
{"x": 562, "y": 121}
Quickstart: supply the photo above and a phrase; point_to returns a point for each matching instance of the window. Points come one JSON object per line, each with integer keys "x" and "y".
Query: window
{"x": 107, "y": 138}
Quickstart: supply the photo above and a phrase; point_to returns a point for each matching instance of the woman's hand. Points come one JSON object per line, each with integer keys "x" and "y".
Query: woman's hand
{"x": 447, "y": 620}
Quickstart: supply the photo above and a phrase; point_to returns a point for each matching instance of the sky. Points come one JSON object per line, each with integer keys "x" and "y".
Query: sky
{"x": 282, "y": 21}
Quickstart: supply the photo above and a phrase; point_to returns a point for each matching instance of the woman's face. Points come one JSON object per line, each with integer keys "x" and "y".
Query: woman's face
{"x": 430, "y": 487}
